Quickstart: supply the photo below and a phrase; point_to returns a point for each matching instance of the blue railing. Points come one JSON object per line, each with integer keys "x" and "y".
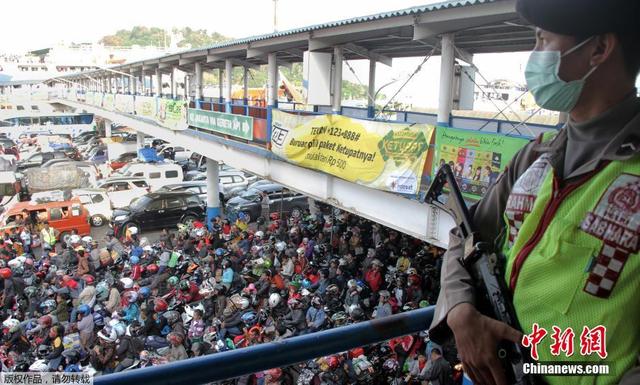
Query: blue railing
{"x": 236, "y": 363}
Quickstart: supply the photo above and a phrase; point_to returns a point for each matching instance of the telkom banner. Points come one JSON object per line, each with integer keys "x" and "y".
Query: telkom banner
{"x": 476, "y": 158}
{"x": 172, "y": 114}
{"x": 381, "y": 155}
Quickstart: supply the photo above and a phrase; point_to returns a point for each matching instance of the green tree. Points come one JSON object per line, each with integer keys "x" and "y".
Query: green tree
{"x": 195, "y": 38}
{"x": 158, "y": 37}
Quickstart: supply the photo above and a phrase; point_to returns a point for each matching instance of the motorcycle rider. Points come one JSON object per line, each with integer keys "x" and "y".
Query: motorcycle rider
{"x": 129, "y": 347}
{"x": 295, "y": 319}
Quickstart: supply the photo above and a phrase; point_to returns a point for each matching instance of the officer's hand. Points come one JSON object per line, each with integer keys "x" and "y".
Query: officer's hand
{"x": 477, "y": 337}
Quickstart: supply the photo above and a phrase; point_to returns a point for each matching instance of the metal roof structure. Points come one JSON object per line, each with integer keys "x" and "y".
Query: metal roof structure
{"x": 479, "y": 26}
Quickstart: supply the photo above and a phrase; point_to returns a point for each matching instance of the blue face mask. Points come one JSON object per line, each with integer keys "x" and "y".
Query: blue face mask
{"x": 543, "y": 80}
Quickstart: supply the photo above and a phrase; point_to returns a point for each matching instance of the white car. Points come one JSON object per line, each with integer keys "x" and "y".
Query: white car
{"x": 156, "y": 174}
{"x": 123, "y": 190}
{"x": 176, "y": 153}
{"x": 97, "y": 202}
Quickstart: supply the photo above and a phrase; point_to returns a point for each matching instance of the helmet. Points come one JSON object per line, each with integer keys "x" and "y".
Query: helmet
{"x": 316, "y": 301}
{"x": 384, "y": 293}
{"x": 172, "y": 316}
{"x": 15, "y": 263}
{"x": 390, "y": 366}
{"x": 88, "y": 278}
{"x": 174, "y": 338}
{"x": 355, "y": 353}
{"x": 102, "y": 290}
{"x": 243, "y": 303}
{"x": 333, "y": 362}
{"x": 5, "y": 273}
{"x": 274, "y": 300}
{"x": 306, "y": 283}
{"x": 281, "y": 246}
{"x": 12, "y": 324}
{"x": 45, "y": 321}
{"x": 137, "y": 251}
{"x": 134, "y": 260}
{"x": 300, "y": 250}
{"x": 293, "y": 302}
{"x": 249, "y": 318}
{"x": 339, "y": 318}
{"x": 87, "y": 239}
{"x": 160, "y": 305}
{"x": 131, "y": 296}
{"x": 184, "y": 285}
{"x": 412, "y": 271}
{"x": 133, "y": 230}
{"x": 145, "y": 292}
{"x": 220, "y": 251}
{"x": 30, "y": 291}
{"x": 43, "y": 351}
{"x": 47, "y": 306}
{"x": 333, "y": 289}
{"x": 144, "y": 243}
{"x": 127, "y": 283}
{"x": 259, "y": 234}
{"x": 152, "y": 268}
{"x": 173, "y": 281}
{"x": 74, "y": 239}
{"x": 72, "y": 356}
{"x": 352, "y": 283}
{"x": 84, "y": 309}
{"x": 275, "y": 373}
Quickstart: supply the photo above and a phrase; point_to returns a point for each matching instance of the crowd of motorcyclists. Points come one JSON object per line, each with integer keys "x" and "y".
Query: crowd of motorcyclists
{"x": 122, "y": 304}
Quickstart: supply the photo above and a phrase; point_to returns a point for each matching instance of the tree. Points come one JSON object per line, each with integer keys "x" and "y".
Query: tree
{"x": 158, "y": 37}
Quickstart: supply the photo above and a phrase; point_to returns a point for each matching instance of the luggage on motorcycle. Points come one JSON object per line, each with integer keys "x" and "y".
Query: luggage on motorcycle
{"x": 71, "y": 341}
{"x": 155, "y": 342}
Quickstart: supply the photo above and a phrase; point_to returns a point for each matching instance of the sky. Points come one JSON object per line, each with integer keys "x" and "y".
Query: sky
{"x": 39, "y": 24}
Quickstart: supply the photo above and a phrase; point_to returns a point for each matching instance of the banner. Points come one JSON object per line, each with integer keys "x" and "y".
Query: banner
{"x": 97, "y": 99}
{"x": 109, "y": 102}
{"x": 381, "y": 155}
{"x": 476, "y": 158}
{"x": 172, "y": 114}
{"x": 124, "y": 103}
{"x": 145, "y": 106}
{"x": 227, "y": 124}
{"x": 88, "y": 97}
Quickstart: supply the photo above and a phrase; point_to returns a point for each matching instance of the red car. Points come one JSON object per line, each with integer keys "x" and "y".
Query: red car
{"x": 122, "y": 160}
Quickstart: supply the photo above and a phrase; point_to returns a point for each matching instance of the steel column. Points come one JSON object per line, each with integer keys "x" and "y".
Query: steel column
{"x": 445, "y": 99}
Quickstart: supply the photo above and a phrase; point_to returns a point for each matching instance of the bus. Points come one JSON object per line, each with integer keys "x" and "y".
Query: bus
{"x": 15, "y": 123}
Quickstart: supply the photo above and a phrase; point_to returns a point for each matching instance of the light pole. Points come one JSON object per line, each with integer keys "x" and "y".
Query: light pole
{"x": 275, "y": 15}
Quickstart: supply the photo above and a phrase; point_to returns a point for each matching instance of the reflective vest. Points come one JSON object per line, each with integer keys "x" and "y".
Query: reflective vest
{"x": 572, "y": 260}
{"x": 49, "y": 237}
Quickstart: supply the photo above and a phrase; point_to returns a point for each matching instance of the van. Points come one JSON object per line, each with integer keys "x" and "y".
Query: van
{"x": 156, "y": 174}
{"x": 63, "y": 216}
{"x": 97, "y": 202}
{"x": 124, "y": 190}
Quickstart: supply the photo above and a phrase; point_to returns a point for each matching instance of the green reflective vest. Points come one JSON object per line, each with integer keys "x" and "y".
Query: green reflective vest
{"x": 572, "y": 260}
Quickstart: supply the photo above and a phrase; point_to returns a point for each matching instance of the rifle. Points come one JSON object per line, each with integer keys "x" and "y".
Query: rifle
{"x": 486, "y": 267}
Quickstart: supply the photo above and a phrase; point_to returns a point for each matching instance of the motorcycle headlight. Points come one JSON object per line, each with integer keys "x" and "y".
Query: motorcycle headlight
{"x": 120, "y": 218}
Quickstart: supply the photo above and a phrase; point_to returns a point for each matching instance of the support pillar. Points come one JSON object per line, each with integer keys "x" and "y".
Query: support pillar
{"x": 220, "y": 87}
{"x": 107, "y": 128}
{"x": 228, "y": 72}
{"x": 139, "y": 141}
{"x": 245, "y": 85}
{"x": 173, "y": 83}
{"x": 124, "y": 81}
{"x": 198, "y": 85}
{"x": 133, "y": 85}
{"x": 371, "y": 96}
{"x": 158, "y": 83}
{"x": 447, "y": 72}
{"x": 213, "y": 193}
{"x": 337, "y": 80}
{"x": 272, "y": 90}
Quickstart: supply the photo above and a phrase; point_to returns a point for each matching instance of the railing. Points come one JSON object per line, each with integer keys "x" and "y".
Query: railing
{"x": 236, "y": 363}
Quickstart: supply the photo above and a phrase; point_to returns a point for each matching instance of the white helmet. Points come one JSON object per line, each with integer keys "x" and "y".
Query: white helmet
{"x": 200, "y": 233}
{"x": 74, "y": 239}
{"x": 87, "y": 240}
{"x": 144, "y": 242}
{"x": 133, "y": 230}
{"x": 127, "y": 283}
{"x": 281, "y": 246}
{"x": 300, "y": 250}
{"x": 274, "y": 300}
{"x": 14, "y": 263}
{"x": 259, "y": 234}
{"x": 305, "y": 293}
{"x": 10, "y": 323}
{"x": 243, "y": 303}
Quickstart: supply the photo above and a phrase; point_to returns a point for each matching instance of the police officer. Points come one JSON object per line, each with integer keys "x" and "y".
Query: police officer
{"x": 565, "y": 211}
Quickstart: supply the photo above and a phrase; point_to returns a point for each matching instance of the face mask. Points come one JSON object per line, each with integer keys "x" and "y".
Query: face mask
{"x": 549, "y": 91}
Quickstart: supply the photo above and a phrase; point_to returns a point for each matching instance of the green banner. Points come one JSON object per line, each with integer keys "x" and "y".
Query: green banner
{"x": 172, "y": 114}
{"x": 476, "y": 158}
{"x": 227, "y": 124}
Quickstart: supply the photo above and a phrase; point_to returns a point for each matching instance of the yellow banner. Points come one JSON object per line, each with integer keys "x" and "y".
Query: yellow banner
{"x": 381, "y": 155}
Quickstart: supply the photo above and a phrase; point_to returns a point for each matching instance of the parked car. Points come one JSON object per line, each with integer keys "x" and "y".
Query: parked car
{"x": 98, "y": 154}
{"x": 63, "y": 216}
{"x": 37, "y": 159}
{"x": 198, "y": 187}
{"x": 159, "y": 210}
{"x": 123, "y": 190}
{"x": 156, "y": 174}
{"x": 281, "y": 200}
{"x": 97, "y": 202}
{"x": 176, "y": 153}
{"x": 122, "y": 160}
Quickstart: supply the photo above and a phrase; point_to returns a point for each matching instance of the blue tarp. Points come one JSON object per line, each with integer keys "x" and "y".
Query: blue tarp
{"x": 149, "y": 155}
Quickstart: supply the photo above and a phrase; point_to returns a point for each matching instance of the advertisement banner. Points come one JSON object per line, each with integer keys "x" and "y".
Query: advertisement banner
{"x": 172, "y": 114}
{"x": 97, "y": 99}
{"x": 476, "y": 158}
{"x": 381, "y": 155}
{"x": 109, "y": 102}
{"x": 124, "y": 103}
{"x": 88, "y": 97}
{"x": 227, "y": 124}
{"x": 145, "y": 106}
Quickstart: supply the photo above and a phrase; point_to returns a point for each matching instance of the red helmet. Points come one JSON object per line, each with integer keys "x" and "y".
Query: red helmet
{"x": 333, "y": 362}
{"x": 66, "y": 278}
{"x": 152, "y": 268}
{"x": 45, "y": 321}
{"x": 175, "y": 338}
{"x": 88, "y": 278}
{"x": 5, "y": 273}
{"x": 357, "y": 352}
{"x": 274, "y": 373}
{"x": 160, "y": 305}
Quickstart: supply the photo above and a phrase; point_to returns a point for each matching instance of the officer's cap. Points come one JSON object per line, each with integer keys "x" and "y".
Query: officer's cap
{"x": 582, "y": 18}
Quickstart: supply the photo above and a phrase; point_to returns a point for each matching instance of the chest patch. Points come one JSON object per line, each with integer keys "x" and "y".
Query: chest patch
{"x": 523, "y": 195}
{"x": 615, "y": 221}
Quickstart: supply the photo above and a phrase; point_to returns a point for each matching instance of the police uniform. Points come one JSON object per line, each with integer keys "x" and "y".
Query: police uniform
{"x": 566, "y": 215}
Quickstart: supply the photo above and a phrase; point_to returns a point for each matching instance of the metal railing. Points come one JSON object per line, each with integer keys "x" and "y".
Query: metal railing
{"x": 240, "y": 362}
